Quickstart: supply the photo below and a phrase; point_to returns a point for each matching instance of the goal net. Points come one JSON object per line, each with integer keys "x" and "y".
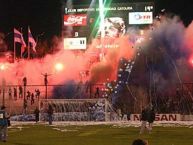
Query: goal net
{"x": 77, "y": 110}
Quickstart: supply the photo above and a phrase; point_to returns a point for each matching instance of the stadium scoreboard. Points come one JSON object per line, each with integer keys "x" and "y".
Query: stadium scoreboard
{"x": 82, "y": 23}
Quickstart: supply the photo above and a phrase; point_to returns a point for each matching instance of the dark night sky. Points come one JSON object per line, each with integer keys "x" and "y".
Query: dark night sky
{"x": 45, "y": 15}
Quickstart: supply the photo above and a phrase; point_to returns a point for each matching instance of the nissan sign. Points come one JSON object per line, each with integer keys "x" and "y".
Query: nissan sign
{"x": 159, "y": 117}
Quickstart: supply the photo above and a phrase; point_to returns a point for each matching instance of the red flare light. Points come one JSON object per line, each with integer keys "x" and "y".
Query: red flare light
{"x": 191, "y": 61}
{"x": 59, "y": 66}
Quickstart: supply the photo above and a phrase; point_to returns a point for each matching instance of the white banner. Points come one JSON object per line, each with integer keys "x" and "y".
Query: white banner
{"x": 140, "y": 17}
{"x": 75, "y": 43}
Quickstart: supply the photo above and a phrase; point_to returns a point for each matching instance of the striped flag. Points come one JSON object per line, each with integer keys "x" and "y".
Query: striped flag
{"x": 18, "y": 37}
{"x": 31, "y": 40}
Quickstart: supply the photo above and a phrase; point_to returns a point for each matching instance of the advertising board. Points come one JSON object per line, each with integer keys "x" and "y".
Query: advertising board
{"x": 140, "y": 17}
{"x": 75, "y": 43}
{"x": 75, "y": 20}
{"x": 85, "y": 21}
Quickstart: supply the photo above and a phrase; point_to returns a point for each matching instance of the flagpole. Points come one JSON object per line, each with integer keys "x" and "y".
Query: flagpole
{"x": 13, "y": 48}
{"x": 28, "y": 47}
{"x": 21, "y": 47}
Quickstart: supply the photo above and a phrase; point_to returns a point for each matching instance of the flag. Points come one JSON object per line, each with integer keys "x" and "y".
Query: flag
{"x": 18, "y": 37}
{"x": 31, "y": 40}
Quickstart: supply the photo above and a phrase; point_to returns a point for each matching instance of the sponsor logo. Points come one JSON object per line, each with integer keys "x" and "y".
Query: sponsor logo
{"x": 75, "y": 20}
{"x": 159, "y": 117}
{"x": 140, "y": 18}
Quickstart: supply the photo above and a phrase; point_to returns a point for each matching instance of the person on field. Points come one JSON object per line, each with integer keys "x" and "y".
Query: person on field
{"x": 151, "y": 119}
{"x": 3, "y": 124}
{"x": 144, "y": 117}
{"x": 36, "y": 112}
{"x": 50, "y": 114}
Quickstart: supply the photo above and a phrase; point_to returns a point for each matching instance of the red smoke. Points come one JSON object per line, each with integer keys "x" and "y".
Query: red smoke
{"x": 189, "y": 37}
{"x": 107, "y": 67}
{"x": 72, "y": 65}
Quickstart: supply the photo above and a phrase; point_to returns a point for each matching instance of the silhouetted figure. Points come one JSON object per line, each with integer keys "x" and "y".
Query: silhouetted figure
{"x": 15, "y": 93}
{"x": 24, "y": 81}
{"x": 32, "y": 98}
{"x": 45, "y": 78}
{"x": 28, "y": 95}
{"x": 151, "y": 118}
{"x": 37, "y": 93}
{"x": 20, "y": 92}
{"x": 36, "y": 112}
{"x": 3, "y": 124}
{"x": 45, "y": 83}
{"x": 10, "y": 93}
{"x": 97, "y": 95}
{"x": 25, "y": 105}
{"x": 24, "y": 84}
{"x": 50, "y": 113}
{"x": 144, "y": 117}
{"x": 139, "y": 142}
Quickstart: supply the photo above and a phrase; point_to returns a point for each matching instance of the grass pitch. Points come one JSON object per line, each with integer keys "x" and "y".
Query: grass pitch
{"x": 95, "y": 135}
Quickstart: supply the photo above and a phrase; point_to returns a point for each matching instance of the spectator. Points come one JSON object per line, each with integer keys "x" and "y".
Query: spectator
{"x": 28, "y": 95}
{"x": 139, "y": 142}
{"x": 25, "y": 106}
{"x": 3, "y": 124}
{"x": 45, "y": 78}
{"x": 20, "y": 92}
{"x": 36, "y": 112}
{"x": 97, "y": 95}
{"x": 50, "y": 113}
{"x": 25, "y": 81}
{"x": 15, "y": 93}
{"x": 37, "y": 93}
{"x": 10, "y": 93}
{"x": 32, "y": 98}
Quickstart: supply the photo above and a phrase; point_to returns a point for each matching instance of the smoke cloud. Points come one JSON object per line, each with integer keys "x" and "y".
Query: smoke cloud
{"x": 167, "y": 47}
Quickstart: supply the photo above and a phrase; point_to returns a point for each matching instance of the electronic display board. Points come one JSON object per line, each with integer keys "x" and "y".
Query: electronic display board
{"x": 84, "y": 21}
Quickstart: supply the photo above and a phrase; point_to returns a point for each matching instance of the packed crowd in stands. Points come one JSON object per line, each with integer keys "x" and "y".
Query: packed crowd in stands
{"x": 173, "y": 104}
{"x": 163, "y": 104}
